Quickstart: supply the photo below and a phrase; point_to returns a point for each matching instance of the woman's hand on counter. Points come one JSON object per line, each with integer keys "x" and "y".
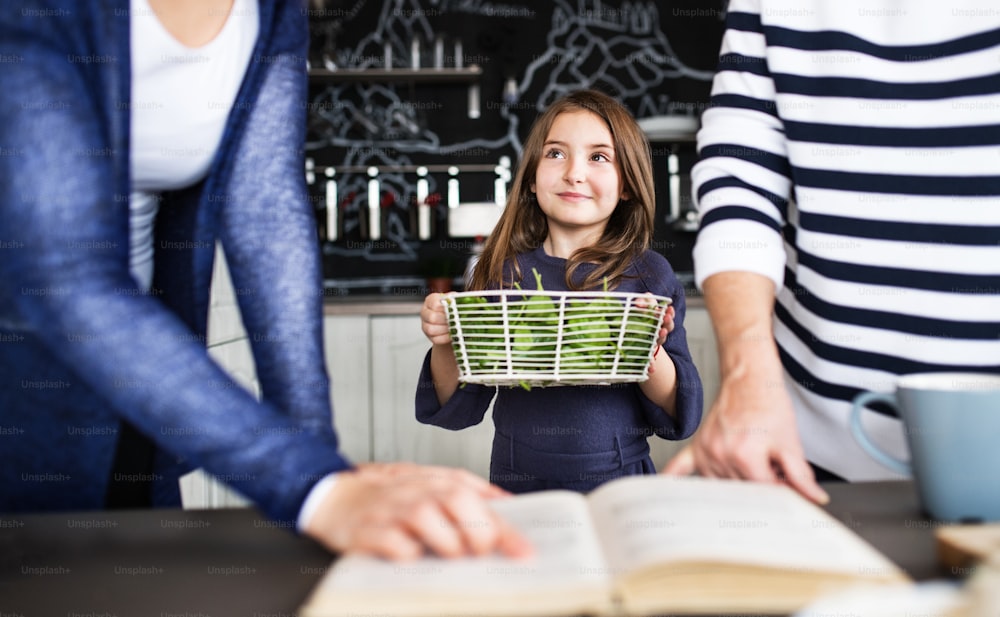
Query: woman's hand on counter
{"x": 402, "y": 510}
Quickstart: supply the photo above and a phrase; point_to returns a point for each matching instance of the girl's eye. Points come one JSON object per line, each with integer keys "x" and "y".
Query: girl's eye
{"x": 598, "y": 156}
{"x": 553, "y": 154}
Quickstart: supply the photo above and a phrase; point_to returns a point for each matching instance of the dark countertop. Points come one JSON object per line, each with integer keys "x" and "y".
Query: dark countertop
{"x": 207, "y": 563}
{"x": 216, "y": 563}
{"x": 889, "y": 517}
{"x": 373, "y": 304}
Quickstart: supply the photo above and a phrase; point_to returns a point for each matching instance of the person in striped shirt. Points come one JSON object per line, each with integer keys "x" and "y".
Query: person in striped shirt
{"x": 848, "y": 190}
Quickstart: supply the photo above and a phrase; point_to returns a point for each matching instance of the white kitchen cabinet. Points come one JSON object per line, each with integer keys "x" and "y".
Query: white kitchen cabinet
{"x": 374, "y": 362}
{"x": 701, "y": 342}
{"x": 398, "y": 347}
{"x": 348, "y": 350}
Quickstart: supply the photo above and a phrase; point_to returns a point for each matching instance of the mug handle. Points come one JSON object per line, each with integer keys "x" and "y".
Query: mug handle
{"x": 857, "y": 430}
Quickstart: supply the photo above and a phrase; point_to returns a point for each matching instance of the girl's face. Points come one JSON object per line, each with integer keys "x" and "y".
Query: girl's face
{"x": 578, "y": 181}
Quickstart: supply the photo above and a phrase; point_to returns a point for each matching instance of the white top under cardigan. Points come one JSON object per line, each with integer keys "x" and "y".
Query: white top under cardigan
{"x": 181, "y": 98}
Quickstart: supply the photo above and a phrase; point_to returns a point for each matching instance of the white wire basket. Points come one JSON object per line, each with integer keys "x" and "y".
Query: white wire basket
{"x": 551, "y": 338}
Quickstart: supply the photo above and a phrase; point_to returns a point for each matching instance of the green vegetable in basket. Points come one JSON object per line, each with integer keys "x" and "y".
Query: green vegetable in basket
{"x": 468, "y": 311}
{"x": 611, "y": 310}
{"x": 465, "y": 314}
{"x": 544, "y": 303}
{"x": 520, "y": 334}
{"x": 576, "y": 354}
{"x": 533, "y": 327}
{"x": 642, "y": 322}
{"x": 545, "y": 314}
{"x": 481, "y": 330}
{"x": 591, "y": 333}
{"x": 521, "y": 337}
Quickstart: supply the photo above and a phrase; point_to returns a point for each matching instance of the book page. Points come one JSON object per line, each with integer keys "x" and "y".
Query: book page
{"x": 567, "y": 554}
{"x": 644, "y": 520}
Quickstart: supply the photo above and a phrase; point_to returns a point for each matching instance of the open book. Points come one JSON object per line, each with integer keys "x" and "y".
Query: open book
{"x": 640, "y": 545}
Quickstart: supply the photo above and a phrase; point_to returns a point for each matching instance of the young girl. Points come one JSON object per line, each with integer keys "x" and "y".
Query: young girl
{"x": 580, "y": 210}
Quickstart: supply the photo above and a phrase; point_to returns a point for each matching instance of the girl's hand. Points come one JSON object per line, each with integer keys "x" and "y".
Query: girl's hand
{"x": 667, "y": 326}
{"x": 434, "y": 321}
{"x": 661, "y": 387}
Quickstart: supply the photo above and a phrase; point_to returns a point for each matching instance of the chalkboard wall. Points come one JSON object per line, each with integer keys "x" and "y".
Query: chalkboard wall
{"x": 403, "y": 84}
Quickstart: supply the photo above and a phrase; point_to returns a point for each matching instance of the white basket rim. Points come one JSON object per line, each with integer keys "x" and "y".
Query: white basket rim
{"x": 521, "y": 365}
{"x": 567, "y": 294}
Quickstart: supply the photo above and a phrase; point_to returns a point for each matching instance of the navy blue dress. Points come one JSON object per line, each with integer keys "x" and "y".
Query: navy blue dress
{"x": 575, "y": 437}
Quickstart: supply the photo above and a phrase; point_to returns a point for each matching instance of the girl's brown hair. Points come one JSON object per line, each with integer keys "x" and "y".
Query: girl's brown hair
{"x": 523, "y": 227}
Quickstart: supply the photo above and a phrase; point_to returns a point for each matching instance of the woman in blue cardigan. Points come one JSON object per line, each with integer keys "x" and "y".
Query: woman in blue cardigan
{"x": 135, "y": 137}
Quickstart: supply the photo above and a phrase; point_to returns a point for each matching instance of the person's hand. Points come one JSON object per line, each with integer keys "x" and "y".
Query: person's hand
{"x": 666, "y": 325}
{"x": 661, "y": 387}
{"x": 434, "y": 320}
{"x": 402, "y": 510}
{"x": 444, "y": 369}
{"x": 750, "y": 433}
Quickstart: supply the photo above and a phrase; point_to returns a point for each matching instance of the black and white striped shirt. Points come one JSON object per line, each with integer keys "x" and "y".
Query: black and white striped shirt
{"x": 851, "y": 153}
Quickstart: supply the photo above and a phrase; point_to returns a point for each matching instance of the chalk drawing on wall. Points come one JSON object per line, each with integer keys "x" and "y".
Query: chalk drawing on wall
{"x": 621, "y": 47}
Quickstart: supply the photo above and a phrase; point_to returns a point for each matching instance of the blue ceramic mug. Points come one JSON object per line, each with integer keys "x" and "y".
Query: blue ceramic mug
{"x": 952, "y": 427}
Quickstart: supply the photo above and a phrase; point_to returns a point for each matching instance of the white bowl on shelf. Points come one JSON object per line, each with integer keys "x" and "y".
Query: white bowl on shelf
{"x": 670, "y": 127}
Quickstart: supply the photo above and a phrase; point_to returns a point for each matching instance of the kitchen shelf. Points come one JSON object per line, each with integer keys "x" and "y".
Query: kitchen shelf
{"x": 364, "y": 169}
{"x": 429, "y": 75}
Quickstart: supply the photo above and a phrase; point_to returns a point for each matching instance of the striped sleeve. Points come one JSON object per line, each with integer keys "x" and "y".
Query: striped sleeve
{"x": 741, "y": 182}
{"x": 851, "y": 153}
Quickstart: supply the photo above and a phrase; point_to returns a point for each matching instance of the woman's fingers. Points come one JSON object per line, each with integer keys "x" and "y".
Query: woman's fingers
{"x": 401, "y": 510}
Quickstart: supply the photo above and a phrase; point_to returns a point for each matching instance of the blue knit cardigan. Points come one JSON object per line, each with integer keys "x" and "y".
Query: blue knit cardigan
{"x": 81, "y": 348}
